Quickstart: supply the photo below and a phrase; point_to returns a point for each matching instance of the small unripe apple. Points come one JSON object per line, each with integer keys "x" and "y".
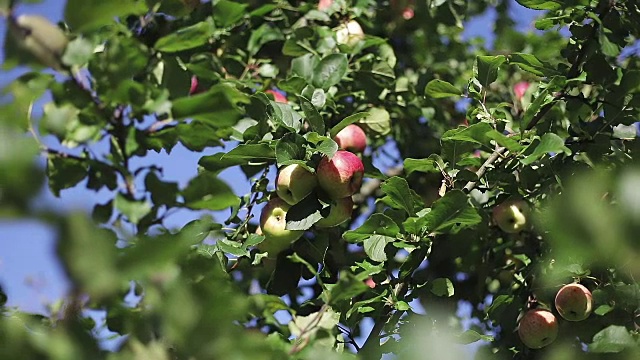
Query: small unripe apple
{"x": 512, "y": 216}
{"x": 277, "y": 96}
{"x": 273, "y": 224}
{"x": 538, "y": 328}
{"x": 294, "y": 183}
{"x": 520, "y": 88}
{"x": 340, "y": 212}
{"x": 574, "y": 302}
{"x": 351, "y": 138}
{"x": 40, "y": 37}
{"x": 342, "y": 175}
{"x": 350, "y": 33}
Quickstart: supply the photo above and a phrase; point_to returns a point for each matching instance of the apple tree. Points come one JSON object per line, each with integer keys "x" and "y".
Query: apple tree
{"x": 410, "y": 190}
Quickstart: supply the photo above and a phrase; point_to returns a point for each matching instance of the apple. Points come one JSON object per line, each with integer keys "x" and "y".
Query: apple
{"x": 538, "y": 328}
{"x": 324, "y": 4}
{"x": 277, "y": 96}
{"x": 520, "y": 88}
{"x": 273, "y": 224}
{"x": 342, "y": 175}
{"x": 294, "y": 183}
{"x": 512, "y": 216}
{"x": 340, "y": 212}
{"x": 574, "y": 302}
{"x": 350, "y": 33}
{"x": 36, "y": 34}
{"x": 195, "y": 86}
{"x": 351, "y": 138}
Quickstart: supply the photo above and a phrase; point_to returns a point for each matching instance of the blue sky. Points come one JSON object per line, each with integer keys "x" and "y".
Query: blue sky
{"x": 29, "y": 271}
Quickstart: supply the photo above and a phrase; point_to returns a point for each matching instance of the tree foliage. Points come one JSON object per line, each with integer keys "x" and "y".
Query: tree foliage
{"x": 421, "y": 267}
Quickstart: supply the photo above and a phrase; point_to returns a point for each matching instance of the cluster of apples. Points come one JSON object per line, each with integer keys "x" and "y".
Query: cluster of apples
{"x": 539, "y": 327}
{"x": 338, "y": 177}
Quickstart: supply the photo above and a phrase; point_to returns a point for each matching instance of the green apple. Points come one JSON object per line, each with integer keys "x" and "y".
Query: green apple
{"x": 273, "y": 224}
{"x": 350, "y": 33}
{"x": 340, "y": 212}
{"x": 342, "y": 175}
{"x": 574, "y": 302}
{"x": 538, "y": 328}
{"x": 512, "y": 216}
{"x": 40, "y": 37}
{"x": 294, "y": 183}
{"x": 351, "y": 138}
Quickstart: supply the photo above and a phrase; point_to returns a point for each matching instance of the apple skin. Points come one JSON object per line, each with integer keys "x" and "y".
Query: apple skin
{"x": 574, "y": 302}
{"x": 349, "y": 34}
{"x": 340, "y": 212}
{"x": 351, "y": 138}
{"x": 342, "y": 175}
{"x": 520, "y": 88}
{"x": 273, "y": 225}
{"x": 294, "y": 183}
{"x": 277, "y": 96}
{"x": 538, "y": 328}
{"x": 512, "y": 216}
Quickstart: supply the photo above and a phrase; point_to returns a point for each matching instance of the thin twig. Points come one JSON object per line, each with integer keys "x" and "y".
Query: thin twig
{"x": 497, "y": 153}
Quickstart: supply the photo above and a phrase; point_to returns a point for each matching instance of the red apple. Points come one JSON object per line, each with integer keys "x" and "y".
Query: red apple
{"x": 342, "y": 175}
{"x": 273, "y": 224}
{"x": 294, "y": 183}
{"x": 351, "y": 138}
{"x": 277, "y": 96}
{"x": 195, "y": 87}
{"x": 324, "y": 4}
{"x": 520, "y": 88}
{"x": 512, "y": 216}
{"x": 574, "y": 302}
{"x": 538, "y": 328}
{"x": 340, "y": 212}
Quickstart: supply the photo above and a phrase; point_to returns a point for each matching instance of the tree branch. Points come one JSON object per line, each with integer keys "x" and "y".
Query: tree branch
{"x": 483, "y": 169}
{"x": 370, "y": 187}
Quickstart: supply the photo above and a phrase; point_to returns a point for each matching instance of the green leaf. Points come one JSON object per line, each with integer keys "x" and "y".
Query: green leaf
{"x": 227, "y": 13}
{"x": 432, "y": 164}
{"x": 330, "y": 71}
{"x": 378, "y": 120}
{"x": 481, "y": 133}
{"x": 186, "y": 38}
{"x": 486, "y": 68}
{"x": 304, "y": 66}
{"x": 206, "y": 191}
{"x": 78, "y": 52}
{"x": 550, "y": 142}
{"x": 532, "y": 64}
{"x": 216, "y": 107}
{"x": 283, "y": 114}
{"x": 442, "y": 287}
{"x": 86, "y": 15}
{"x": 351, "y": 119}
{"x": 603, "y": 310}
{"x": 313, "y": 116}
{"x": 540, "y": 4}
{"x": 471, "y": 336}
{"x": 262, "y": 35}
{"x": 376, "y": 224}
{"x": 134, "y": 210}
{"x": 64, "y": 173}
{"x": 441, "y": 89}
{"x": 449, "y": 214}
{"x": 348, "y": 287}
{"x": 374, "y": 247}
{"x": 397, "y": 190}
{"x": 290, "y": 147}
{"x": 250, "y": 153}
{"x": 162, "y": 193}
{"x": 612, "y": 339}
